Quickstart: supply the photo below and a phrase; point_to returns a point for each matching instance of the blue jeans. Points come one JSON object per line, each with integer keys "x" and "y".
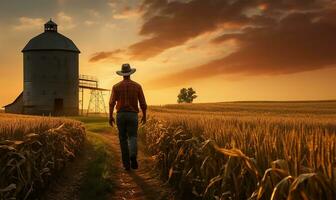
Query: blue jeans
{"x": 127, "y": 123}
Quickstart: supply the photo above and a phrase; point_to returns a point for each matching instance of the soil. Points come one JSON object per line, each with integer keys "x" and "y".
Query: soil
{"x": 139, "y": 184}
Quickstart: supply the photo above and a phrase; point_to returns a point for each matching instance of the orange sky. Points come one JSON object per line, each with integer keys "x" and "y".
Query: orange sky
{"x": 242, "y": 50}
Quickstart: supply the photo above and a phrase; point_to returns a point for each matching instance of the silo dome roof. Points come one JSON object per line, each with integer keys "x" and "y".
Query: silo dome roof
{"x": 50, "y": 40}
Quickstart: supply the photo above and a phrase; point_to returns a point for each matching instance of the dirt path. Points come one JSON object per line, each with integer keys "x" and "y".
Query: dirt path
{"x": 67, "y": 184}
{"x": 136, "y": 184}
{"x": 141, "y": 184}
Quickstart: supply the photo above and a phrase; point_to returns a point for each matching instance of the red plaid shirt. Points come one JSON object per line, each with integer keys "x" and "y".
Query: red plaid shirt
{"x": 126, "y": 95}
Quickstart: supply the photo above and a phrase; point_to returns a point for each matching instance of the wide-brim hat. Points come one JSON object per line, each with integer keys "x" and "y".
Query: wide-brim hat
{"x": 126, "y": 70}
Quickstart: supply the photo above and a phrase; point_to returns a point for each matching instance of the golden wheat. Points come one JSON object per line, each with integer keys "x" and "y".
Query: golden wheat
{"x": 246, "y": 152}
{"x": 32, "y": 150}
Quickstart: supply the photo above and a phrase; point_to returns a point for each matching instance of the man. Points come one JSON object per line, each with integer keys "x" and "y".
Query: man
{"x": 125, "y": 95}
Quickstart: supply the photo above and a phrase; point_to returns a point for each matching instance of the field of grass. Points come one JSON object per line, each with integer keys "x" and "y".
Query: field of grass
{"x": 33, "y": 150}
{"x": 241, "y": 150}
{"x": 97, "y": 182}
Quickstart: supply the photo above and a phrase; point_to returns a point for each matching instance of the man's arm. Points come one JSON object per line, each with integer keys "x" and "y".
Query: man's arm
{"x": 143, "y": 105}
{"x": 112, "y": 103}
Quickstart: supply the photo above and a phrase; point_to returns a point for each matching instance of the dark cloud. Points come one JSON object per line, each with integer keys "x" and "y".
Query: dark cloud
{"x": 272, "y": 37}
{"x": 171, "y": 24}
{"x": 103, "y": 55}
{"x": 301, "y": 41}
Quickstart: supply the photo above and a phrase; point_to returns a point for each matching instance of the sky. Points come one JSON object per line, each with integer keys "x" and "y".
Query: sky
{"x": 227, "y": 50}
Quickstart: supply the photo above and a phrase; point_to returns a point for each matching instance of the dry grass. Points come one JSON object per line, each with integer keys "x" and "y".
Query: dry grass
{"x": 32, "y": 150}
{"x": 14, "y": 126}
{"x": 247, "y": 150}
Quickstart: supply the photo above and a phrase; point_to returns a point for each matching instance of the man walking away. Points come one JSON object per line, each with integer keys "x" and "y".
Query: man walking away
{"x": 125, "y": 96}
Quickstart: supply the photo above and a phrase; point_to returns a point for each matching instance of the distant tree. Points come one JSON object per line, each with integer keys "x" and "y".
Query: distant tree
{"x": 186, "y": 95}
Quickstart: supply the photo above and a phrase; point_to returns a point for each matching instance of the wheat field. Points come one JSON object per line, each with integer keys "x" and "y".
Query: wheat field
{"x": 33, "y": 150}
{"x": 246, "y": 150}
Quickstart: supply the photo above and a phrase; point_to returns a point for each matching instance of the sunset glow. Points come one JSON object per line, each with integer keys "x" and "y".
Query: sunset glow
{"x": 225, "y": 50}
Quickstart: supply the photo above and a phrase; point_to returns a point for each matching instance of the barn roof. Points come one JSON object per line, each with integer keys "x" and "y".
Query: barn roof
{"x": 16, "y": 100}
{"x": 50, "y": 40}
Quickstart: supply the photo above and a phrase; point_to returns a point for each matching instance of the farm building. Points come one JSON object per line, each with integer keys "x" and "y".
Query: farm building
{"x": 50, "y": 63}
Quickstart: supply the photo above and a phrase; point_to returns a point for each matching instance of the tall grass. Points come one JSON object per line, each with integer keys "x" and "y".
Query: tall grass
{"x": 243, "y": 153}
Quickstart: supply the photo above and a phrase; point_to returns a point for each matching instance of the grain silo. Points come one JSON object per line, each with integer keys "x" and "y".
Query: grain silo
{"x": 50, "y": 62}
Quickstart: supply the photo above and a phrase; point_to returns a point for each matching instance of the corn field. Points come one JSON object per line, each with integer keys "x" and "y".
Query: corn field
{"x": 33, "y": 150}
{"x": 246, "y": 151}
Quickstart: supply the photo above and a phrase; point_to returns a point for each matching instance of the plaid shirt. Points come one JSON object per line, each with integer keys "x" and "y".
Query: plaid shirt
{"x": 126, "y": 95}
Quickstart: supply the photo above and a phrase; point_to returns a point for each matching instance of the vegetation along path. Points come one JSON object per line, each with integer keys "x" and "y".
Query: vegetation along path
{"x": 98, "y": 173}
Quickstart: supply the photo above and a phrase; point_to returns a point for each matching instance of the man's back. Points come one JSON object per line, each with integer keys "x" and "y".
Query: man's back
{"x": 126, "y": 95}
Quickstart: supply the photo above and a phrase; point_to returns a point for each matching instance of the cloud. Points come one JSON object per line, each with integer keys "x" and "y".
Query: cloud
{"x": 66, "y": 21}
{"x": 111, "y": 25}
{"x": 298, "y": 42}
{"x": 268, "y": 37}
{"x": 170, "y": 24}
{"x": 127, "y": 13}
{"x": 113, "y": 4}
{"x": 110, "y": 55}
{"x": 93, "y": 13}
{"x": 27, "y": 23}
{"x": 90, "y": 22}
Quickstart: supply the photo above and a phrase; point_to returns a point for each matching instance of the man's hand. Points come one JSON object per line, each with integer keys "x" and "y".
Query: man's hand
{"x": 144, "y": 120}
{"x": 111, "y": 121}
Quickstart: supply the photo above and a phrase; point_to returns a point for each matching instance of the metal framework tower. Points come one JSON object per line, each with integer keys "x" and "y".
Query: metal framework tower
{"x": 96, "y": 103}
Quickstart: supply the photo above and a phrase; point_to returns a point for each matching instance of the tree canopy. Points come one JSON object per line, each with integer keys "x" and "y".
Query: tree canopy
{"x": 186, "y": 95}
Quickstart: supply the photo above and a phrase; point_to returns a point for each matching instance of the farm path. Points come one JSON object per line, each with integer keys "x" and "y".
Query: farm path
{"x": 140, "y": 184}
{"x": 67, "y": 184}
